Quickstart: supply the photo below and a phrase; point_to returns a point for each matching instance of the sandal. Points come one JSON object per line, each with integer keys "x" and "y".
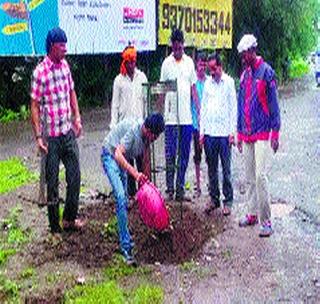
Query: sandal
{"x": 210, "y": 207}
{"x": 226, "y": 211}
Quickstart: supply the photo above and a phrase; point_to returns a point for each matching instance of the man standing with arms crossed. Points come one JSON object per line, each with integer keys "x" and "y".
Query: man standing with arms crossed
{"x": 52, "y": 92}
{"x": 258, "y": 123}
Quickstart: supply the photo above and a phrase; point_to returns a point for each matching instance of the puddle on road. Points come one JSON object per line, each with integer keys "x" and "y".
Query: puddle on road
{"x": 281, "y": 210}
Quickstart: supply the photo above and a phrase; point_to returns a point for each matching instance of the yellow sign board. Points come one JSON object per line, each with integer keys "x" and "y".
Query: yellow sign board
{"x": 205, "y": 23}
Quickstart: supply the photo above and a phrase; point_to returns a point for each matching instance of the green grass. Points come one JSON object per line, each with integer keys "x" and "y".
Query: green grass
{"x": 14, "y": 233}
{"x": 12, "y": 236}
{"x": 111, "y": 227}
{"x": 14, "y": 174}
{"x": 227, "y": 254}
{"x": 5, "y": 253}
{"x": 147, "y": 293}
{"x": 60, "y": 215}
{"x": 27, "y": 273}
{"x": 298, "y": 68}
{"x": 8, "y": 115}
{"x": 188, "y": 266}
{"x": 118, "y": 269}
{"x": 9, "y": 290}
{"x": 106, "y": 292}
{"x": 109, "y": 292}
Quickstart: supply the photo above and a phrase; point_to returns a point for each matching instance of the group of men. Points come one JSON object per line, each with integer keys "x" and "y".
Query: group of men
{"x": 206, "y": 109}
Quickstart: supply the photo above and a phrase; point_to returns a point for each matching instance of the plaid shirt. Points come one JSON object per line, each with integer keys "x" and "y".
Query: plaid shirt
{"x": 51, "y": 87}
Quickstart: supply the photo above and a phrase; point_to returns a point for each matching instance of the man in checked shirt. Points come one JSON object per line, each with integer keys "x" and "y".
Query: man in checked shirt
{"x": 54, "y": 103}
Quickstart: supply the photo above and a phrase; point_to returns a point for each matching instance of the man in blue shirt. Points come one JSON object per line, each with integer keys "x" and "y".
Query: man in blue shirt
{"x": 201, "y": 66}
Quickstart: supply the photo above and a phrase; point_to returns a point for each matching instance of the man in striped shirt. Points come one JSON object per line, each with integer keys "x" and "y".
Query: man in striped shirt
{"x": 55, "y": 113}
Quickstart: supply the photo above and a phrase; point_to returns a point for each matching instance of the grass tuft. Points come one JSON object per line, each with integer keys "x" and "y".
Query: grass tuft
{"x": 107, "y": 292}
{"x": 146, "y": 294}
{"x": 110, "y": 228}
{"x": 14, "y": 174}
{"x": 9, "y": 290}
{"x": 5, "y": 253}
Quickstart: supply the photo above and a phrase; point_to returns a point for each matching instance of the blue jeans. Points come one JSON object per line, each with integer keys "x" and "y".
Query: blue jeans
{"x": 215, "y": 148}
{"x": 171, "y": 143}
{"x": 118, "y": 180}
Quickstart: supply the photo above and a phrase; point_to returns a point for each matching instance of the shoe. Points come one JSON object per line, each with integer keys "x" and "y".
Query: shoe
{"x": 211, "y": 207}
{"x": 226, "y": 211}
{"x": 197, "y": 193}
{"x": 169, "y": 195}
{"x": 248, "y": 220}
{"x": 56, "y": 230}
{"x": 75, "y": 225}
{"x": 266, "y": 229}
{"x": 55, "y": 238}
{"x": 129, "y": 258}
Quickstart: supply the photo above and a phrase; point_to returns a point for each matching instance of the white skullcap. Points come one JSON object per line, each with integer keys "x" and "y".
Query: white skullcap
{"x": 247, "y": 42}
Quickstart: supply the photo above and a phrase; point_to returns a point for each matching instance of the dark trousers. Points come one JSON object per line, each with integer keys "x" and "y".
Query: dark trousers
{"x": 215, "y": 148}
{"x": 132, "y": 188}
{"x": 172, "y": 140}
{"x": 64, "y": 148}
{"x": 197, "y": 147}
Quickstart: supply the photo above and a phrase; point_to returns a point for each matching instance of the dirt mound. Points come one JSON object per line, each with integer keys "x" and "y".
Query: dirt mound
{"x": 181, "y": 243}
{"x": 95, "y": 245}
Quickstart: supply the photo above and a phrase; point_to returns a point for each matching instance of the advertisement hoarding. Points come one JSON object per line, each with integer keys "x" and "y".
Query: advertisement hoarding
{"x": 92, "y": 26}
{"x": 205, "y": 23}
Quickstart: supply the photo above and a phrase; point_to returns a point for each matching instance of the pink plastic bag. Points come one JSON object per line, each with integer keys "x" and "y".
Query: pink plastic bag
{"x": 152, "y": 207}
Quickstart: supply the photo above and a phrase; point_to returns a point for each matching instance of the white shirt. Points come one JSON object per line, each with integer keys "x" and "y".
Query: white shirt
{"x": 128, "y": 97}
{"x": 218, "y": 114}
{"x": 185, "y": 74}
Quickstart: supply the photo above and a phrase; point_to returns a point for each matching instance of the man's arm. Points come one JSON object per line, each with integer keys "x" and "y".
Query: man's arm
{"x": 35, "y": 120}
{"x": 203, "y": 114}
{"x": 76, "y": 113}
{"x": 161, "y": 97}
{"x": 115, "y": 103}
{"x": 233, "y": 112}
{"x": 124, "y": 164}
{"x": 273, "y": 108}
{"x": 195, "y": 99}
{"x": 147, "y": 162}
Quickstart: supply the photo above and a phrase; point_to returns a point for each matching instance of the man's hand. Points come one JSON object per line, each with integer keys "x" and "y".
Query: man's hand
{"x": 141, "y": 178}
{"x": 201, "y": 140}
{"x": 275, "y": 145}
{"x": 42, "y": 146}
{"x": 77, "y": 127}
{"x": 231, "y": 140}
{"x": 239, "y": 146}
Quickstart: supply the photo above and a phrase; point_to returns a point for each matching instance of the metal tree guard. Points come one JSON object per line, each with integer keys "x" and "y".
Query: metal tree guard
{"x": 158, "y": 88}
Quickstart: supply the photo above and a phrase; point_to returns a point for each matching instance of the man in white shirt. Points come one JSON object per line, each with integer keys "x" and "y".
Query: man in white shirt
{"x": 127, "y": 99}
{"x": 218, "y": 120}
{"x": 178, "y": 131}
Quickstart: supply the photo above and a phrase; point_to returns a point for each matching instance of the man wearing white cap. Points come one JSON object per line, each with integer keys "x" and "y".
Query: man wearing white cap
{"x": 258, "y": 122}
